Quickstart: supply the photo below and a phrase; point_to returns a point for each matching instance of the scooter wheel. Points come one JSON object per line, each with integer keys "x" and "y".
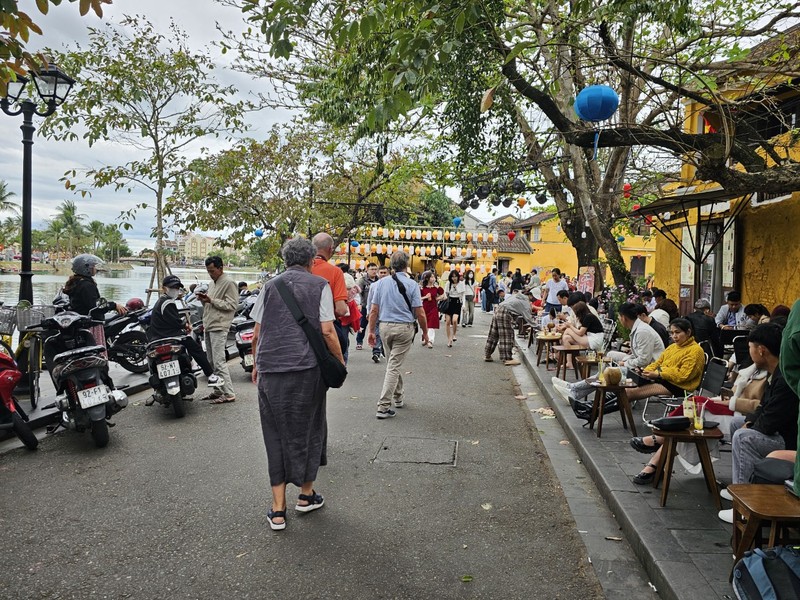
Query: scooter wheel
{"x": 24, "y": 432}
{"x": 100, "y": 433}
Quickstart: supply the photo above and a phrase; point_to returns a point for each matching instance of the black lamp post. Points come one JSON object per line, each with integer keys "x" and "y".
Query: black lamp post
{"x": 52, "y": 86}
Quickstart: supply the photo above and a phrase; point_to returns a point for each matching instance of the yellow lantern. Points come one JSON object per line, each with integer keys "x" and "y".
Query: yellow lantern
{"x": 494, "y": 253}
{"x": 429, "y": 250}
{"x": 469, "y": 236}
{"x": 418, "y": 250}
{"x": 521, "y": 202}
{"x": 452, "y": 251}
{"x": 374, "y": 248}
{"x": 480, "y": 238}
{"x": 490, "y": 238}
{"x": 438, "y": 251}
{"x": 406, "y": 250}
{"x": 417, "y": 234}
{"x": 446, "y": 235}
{"x": 380, "y": 231}
{"x": 402, "y": 234}
{"x": 483, "y": 252}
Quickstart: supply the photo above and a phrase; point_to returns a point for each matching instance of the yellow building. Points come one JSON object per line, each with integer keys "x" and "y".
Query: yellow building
{"x": 711, "y": 242}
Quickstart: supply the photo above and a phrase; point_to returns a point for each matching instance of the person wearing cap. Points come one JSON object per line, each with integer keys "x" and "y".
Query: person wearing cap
{"x": 705, "y": 327}
{"x": 166, "y": 322}
{"x": 244, "y": 292}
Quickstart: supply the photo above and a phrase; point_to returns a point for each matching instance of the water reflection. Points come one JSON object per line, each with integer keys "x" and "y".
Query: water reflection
{"x": 118, "y": 286}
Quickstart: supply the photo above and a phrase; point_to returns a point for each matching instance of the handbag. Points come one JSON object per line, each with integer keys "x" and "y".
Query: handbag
{"x": 333, "y": 372}
{"x": 443, "y": 305}
{"x": 671, "y": 423}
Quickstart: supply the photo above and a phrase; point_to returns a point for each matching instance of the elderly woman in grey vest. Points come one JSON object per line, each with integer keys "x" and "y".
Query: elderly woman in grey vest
{"x": 291, "y": 392}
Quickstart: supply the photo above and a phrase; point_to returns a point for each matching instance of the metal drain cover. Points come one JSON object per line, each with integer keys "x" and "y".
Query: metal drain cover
{"x": 431, "y": 451}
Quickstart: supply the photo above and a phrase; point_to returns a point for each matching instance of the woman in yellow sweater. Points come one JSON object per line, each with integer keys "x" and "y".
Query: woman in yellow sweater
{"x": 679, "y": 369}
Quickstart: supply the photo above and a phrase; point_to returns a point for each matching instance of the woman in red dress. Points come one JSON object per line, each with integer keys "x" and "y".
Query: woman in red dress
{"x": 431, "y": 294}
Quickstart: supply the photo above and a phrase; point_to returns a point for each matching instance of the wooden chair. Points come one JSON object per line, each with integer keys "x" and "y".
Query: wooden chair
{"x": 564, "y": 352}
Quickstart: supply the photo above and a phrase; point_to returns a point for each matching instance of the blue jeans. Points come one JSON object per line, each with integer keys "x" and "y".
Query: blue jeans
{"x": 343, "y": 334}
{"x": 749, "y": 446}
{"x": 362, "y": 332}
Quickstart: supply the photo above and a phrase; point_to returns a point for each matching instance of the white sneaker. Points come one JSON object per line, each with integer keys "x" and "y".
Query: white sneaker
{"x": 560, "y": 382}
{"x": 215, "y": 381}
{"x": 726, "y": 515}
{"x": 725, "y": 494}
{"x": 561, "y": 392}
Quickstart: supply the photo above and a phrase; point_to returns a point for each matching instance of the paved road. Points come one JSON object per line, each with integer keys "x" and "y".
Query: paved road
{"x": 176, "y": 509}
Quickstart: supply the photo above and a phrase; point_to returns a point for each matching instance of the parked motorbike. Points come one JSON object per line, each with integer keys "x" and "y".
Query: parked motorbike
{"x": 171, "y": 375}
{"x": 12, "y": 417}
{"x": 125, "y": 337}
{"x": 85, "y": 393}
{"x": 244, "y": 343}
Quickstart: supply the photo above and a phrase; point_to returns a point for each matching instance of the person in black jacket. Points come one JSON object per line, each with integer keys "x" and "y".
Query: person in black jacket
{"x": 705, "y": 327}
{"x": 166, "y": 322}
{"x": 662, "y": 332}
{"x": 82, "y": 288}
{"x": 773, "y": 426}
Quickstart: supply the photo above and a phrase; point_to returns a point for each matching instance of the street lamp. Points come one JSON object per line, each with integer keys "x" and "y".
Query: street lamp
{"x": 52, "y": 86}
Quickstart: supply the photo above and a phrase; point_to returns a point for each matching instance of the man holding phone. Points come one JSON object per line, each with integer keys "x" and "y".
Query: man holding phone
{"x": 219, "y": 307}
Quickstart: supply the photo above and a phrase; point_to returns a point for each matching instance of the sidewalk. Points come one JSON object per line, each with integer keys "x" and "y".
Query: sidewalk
{"x": 684, "y": 547}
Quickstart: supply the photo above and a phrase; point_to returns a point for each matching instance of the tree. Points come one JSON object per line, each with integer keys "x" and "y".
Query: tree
{"x": 17, "y": 27}
{"x": 55, "y": 234}
{"x": 72, "y": 223}
{"x": 97, "y": 230}
{"x": 527, "y": 61}
{"x": 6, "y": 204}
{"x": 10, "y": 230}
{"x": 151, "y": 93}
{"x": 114, "y": 245}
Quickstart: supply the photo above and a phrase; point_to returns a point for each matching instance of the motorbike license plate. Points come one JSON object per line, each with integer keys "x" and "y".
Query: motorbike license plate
{"x": 168, "y": 369}
{"x": 248, "y": 360}
{"x": 93, "y": 396}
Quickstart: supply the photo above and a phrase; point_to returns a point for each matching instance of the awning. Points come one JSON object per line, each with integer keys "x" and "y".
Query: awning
{"x": 669, "y": 215}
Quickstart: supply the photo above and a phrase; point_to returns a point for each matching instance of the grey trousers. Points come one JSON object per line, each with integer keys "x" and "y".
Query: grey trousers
{"x": 397, "y": 341}
{"x": 215, "y": 349}
{"x": 748, "y": 447}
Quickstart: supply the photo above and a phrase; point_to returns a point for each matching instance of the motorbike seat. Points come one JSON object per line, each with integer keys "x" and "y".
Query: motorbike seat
{"x": 164, "y": 341}
{"x": 78, "y": 352}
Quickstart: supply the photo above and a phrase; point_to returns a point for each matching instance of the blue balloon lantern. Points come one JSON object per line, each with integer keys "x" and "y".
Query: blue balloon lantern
{"x": 354, "y": 244}
{"x": 259, "y": 232}
{"x": 620, "y": 238}
{"x": 596, "y": 103}
{"x": 457, "y": 221}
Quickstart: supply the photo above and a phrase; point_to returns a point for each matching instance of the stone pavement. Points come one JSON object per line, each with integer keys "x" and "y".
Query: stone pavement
{"x": 683, "y": 546}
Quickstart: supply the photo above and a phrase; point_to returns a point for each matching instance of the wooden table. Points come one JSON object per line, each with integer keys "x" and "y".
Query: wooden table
{"x": 587, "y": 363}
{"x": 668, "y": 453}
{"x": 756, "y": 505}
{"x": 546, "y": 342}
{"x": 564, "y": 353}
{"x": 624, "y": 406}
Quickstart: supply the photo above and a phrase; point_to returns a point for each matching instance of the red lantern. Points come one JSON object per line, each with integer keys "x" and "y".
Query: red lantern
{"x": 511, "y": 236}
{"x": 636, "y": 206}
{"x": 648, "y": 219}
{"x": 626, "y": 190}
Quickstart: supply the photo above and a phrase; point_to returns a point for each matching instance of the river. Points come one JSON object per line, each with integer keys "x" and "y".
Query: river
{"x": 118, "y": 286}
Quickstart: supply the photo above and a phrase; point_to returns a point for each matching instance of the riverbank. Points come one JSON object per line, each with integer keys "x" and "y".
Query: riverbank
{"x": 14, "y": 266}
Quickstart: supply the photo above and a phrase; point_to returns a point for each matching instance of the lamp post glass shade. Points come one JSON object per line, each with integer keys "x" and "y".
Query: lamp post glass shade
{"x": 53, "y": 85}
{"x": 14, "y": 88}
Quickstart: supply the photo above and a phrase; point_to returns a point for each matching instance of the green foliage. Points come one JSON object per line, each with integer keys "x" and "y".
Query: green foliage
{"x": 151, "y": 93}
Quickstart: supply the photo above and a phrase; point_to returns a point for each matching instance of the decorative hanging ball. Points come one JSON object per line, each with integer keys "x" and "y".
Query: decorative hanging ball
{"x": 457, "y": 221}
{"x": 620, "y": 238}
{"x": 259, "y": 232}
{"x": 521, "y": 202}
{"x": 474, "y": 204}
{"x": 355, "y": 244}
{"x": 636, "y": 206}
{"x": 648, "y": 219}
{"x": 596, "y": 103}
{"x": 626, "y": 190}
{"x": 511, "y": 235}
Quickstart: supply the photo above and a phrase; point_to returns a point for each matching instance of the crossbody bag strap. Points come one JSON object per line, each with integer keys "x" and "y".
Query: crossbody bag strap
{"x": 314, "y": 337}
{"x": 402, "y": 289}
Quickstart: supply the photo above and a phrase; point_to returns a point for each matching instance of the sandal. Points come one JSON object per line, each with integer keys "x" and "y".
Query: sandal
{"x": 275, "y": 514}
{"x": 638, "y": 444}
{"x": 644, "y": 478}
{"x": 314, "y": 500}
{"x": 222, "y": 400}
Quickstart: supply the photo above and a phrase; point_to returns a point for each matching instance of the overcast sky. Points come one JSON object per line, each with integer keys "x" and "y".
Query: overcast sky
{"x": 62, "y": 27}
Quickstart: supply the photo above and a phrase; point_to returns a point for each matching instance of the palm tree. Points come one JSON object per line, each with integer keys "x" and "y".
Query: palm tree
{"x": 10, "y": 229}
{"x": 6, "y": 205}
{"x": 73, "y": 223}
{"x": 56, "y": 232}
{"x": 97, "y": 230}
{"x": 113, "y": 241}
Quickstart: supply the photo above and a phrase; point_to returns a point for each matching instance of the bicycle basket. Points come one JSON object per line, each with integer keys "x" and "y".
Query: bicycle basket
{"x": 8, "y": 320}
{"x": 29, "y": 317}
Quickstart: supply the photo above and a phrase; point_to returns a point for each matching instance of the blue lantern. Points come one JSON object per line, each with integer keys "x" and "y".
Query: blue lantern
{"x": 596, "y": 103}
{"x": 457, "y": 221}
{"x": 259, "y": 232}
{"x": 354, "y": 244}
{"x": 620, "y": 238}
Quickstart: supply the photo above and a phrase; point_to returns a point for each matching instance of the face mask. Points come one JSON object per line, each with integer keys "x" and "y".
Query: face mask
{"x": 173, "y": 293}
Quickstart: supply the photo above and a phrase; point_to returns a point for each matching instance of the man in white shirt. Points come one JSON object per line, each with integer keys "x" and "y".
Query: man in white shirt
{"x": 646, "y": 344}
{"x": 731, "y": 314}
{"x": 555, "y": 285}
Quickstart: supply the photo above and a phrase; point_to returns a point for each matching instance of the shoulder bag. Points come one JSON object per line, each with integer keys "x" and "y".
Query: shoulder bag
{"x": 402, "y": 289}
{"x": 443, "y": 305}
{"x": 333, "y": 372}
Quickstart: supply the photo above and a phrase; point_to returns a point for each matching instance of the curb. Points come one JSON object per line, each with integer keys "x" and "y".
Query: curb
{"x": 662, "y": 557}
